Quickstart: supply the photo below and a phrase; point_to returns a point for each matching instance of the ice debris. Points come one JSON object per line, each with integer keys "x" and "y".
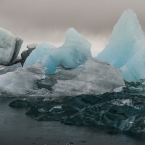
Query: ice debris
{"x": 32, "y": 46}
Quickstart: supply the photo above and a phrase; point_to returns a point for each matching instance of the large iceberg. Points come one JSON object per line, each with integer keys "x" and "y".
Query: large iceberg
{"x": 93, "y": 78}
{"x": 72, "y": 53}
{"x": 126, "y": 47}
{"x": 10, "y": 45}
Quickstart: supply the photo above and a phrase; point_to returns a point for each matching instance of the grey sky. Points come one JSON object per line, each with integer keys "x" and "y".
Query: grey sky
{"x": 47, "y": 20}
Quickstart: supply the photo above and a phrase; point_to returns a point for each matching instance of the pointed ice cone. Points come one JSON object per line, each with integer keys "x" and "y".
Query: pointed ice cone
{"x": 125, "y": 34}
{"x": 126, "y": 47}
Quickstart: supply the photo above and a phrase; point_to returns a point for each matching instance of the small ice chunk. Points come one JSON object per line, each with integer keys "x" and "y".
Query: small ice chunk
{"x": 32, "y": 45}
{"x": 118, "y": 89}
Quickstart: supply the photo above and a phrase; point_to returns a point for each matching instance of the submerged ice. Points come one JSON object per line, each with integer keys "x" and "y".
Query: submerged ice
{"x": 71, "y": 54}
{"x": 118, "y": 111}
{"x": 126, "y": 47}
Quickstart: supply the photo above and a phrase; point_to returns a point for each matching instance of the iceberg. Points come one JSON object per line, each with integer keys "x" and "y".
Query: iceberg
{"x": 126, "y": 47}
{"x": 126, "y": 33}
{"x": 9, "y": 47}
{"x": 11, "y": 68}
{"x": 21, "y": 82}
{"x": 94, "y": 78}
{"x": 41, "y": 54}
{"x": 74, "y": 52}
{"x": 134, "y": 69}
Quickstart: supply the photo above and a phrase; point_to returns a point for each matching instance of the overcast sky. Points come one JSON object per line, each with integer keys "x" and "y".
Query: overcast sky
{"x": 47, "y": 20}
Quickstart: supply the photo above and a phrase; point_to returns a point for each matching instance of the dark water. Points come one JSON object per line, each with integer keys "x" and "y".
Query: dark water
{"x": 16, "y": 128}
{"x": 122, "y": 112}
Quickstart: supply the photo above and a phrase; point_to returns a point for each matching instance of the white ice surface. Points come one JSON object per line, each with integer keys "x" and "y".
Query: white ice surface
{"x": 95, "y": 77}
{"x": 32, "y": 45}
{"x": 9, "y": 47}
{"x": 22, "y": 81}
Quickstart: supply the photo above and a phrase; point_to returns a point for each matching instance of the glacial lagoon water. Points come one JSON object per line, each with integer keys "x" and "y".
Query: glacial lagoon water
{"x": 20, "y": 129}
